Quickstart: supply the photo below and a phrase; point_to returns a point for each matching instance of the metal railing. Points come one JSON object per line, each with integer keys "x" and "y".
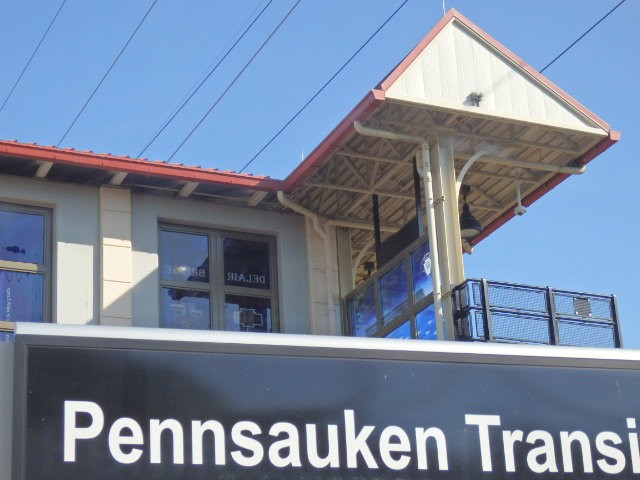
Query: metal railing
{"x": 488, "y": 311}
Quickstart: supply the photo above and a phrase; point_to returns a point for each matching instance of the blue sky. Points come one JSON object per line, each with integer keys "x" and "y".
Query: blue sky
{"x": 581, "y": 236}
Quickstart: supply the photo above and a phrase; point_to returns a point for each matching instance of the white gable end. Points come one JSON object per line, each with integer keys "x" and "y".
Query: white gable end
{"x": 457, "y": 63}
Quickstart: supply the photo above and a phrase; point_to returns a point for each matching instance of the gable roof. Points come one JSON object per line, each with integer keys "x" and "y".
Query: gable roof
{"x": 469, "y": 47}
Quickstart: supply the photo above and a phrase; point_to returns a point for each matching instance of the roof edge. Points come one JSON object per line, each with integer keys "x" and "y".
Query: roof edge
{"x": 369, "y": 104}
{"x": 549, "y": 185}
{"x": 454, "y": 15}
{"x": 135, "y": 166}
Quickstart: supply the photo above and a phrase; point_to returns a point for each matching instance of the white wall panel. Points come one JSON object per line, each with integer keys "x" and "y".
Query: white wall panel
{"x": 457, "y": 63}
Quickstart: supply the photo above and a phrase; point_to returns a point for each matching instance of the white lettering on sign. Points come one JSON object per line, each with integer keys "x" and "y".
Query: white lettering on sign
{"x": 71, "y": 430}
{"x": 246, "y": 278}
{"x": 185, "y": 271}
{"x": 287, "y": 445}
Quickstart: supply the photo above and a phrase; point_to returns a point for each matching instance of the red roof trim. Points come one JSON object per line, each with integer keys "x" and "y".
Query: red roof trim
{"x": 546, "y": 187}
{"x": 136, "y": 166}
{"x": 366, "y": 107}
{"x": 455, "y": 15}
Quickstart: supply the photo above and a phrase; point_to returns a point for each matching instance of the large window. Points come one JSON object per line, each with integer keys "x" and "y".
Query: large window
{"x": 217, "y": 280}
{"x": 397, "y": 301}
{"x": 24, "y": 263}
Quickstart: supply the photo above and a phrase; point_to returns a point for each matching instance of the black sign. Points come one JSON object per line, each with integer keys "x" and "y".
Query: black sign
{"x": 125, "y": 412}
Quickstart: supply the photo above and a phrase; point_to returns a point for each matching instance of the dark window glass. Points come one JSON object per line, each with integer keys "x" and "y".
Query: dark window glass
{"x": 421, "y": 271}
{"x": 246, "y": 263}
{"x": 403, "y": 331}
{"x": 426, "y": 324}
{"x": 21, "y": 296}
{"x": 22, "y": 237}
{"x": 363, "y": 313}
{"x": 247, "y": 314}
{"x": 185, "y": 256}
{"x": 394, "y": 292}
{"x": 185, "y": 309}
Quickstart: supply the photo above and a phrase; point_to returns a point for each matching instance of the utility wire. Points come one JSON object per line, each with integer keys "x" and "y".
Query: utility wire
{"x": 323, "y": 87}
{"x": 197, "y": 87}
{"x": 582, "y": 36}
{"x": 32, "y": 55}
{"x": 221, "y": 96}
{"x": 107, "y": 73}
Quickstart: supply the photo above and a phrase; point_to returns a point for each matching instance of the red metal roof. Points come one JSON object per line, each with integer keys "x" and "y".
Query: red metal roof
{"x": 376, "y": 97}
{"x": 108, "y": 162}
{"x": 365, "y": 108}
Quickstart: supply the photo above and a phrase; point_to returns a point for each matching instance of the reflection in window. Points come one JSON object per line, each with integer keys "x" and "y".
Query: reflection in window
{"x": 397, "y": 301}
{"x": 185, "y": 309}
{"x": 22, "y": 236}
{"x": 246, "y": 263}
{"x": 363, "y": 313}
{"x": 403, "y": 331}
{"x": 185, "y": 256}
{"x": 21, "y": 296}
{"x": 426, "y": 324}
{"x": 217, "y": 280}
{"x": 394, "y": 292}
{"x": 247, "y": 314}
{"x": 421, "y": 272}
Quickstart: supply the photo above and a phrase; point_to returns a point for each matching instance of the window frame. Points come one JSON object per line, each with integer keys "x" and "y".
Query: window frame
{"x": 216, "y": 287}
{"x": 414, "y": 306}
{"x": 46, "y": 268}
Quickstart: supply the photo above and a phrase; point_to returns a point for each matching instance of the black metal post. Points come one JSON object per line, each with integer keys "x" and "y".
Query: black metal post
{"x": 417, "y": 193}
{"x": 616, "y": 326}
{"x": 376, "y": 226}
{"x": 486, "y": 311}
{"x": 554, "y": 335}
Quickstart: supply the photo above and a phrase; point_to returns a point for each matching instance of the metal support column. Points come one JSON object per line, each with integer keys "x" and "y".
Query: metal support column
{"x": 447, "y": 223}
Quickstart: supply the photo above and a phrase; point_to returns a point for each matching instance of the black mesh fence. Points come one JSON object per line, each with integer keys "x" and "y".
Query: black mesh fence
{"x": 509, "y": 313}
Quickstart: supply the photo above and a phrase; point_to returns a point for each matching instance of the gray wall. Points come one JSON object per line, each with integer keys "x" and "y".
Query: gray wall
{"x": 288, "y": 229}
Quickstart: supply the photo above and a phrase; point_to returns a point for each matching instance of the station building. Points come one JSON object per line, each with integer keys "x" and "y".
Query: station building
{"x": 366, "y": 237}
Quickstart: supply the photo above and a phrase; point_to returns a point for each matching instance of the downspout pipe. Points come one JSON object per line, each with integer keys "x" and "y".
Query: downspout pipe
{"x": 424, "y": 170}
{"x": 324, "y": 235}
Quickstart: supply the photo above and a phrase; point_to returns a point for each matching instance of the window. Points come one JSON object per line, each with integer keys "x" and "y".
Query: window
{"x": 397, "y": 301}
{"x": 217, "y": 280}
{"x": 24, "y": 263}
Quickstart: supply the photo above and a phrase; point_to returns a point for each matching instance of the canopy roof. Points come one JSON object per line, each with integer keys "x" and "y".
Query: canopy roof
{"x": 458, "y": 85}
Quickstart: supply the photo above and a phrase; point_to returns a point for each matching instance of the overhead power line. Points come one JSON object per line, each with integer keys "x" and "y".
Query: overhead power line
{"x": 107, "y": 72}
{"x": 221, "y": 96}
{"x": 582, "y": 36}
{"x": 198, "y": 85}
{"x": 323, "y": 87}
{"x": 15, "y": 84}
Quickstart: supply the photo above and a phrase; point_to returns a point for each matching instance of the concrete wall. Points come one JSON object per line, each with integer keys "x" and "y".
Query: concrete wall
{"x": 75, "y": 243}
{"x": 115, "y": 257}
{"x": 325, "y": 310}
{"x": 288, "y": 229}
